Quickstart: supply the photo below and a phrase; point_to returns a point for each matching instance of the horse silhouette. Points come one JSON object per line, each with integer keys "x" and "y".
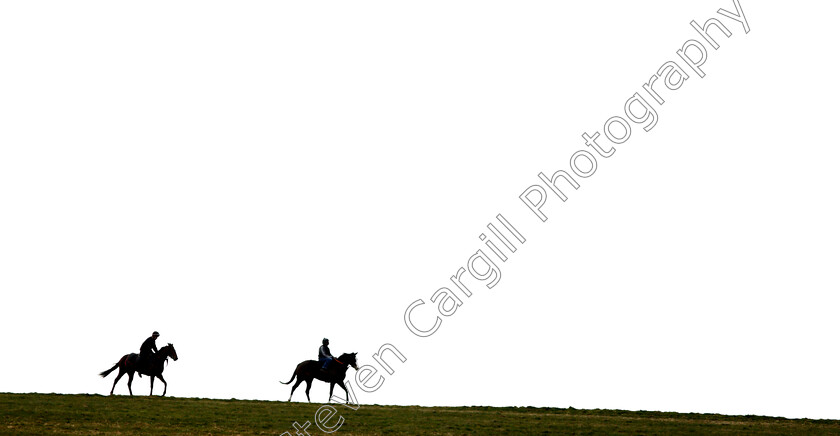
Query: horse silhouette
{"x": 334, "y": 374}
{"x": 153, "y": 367}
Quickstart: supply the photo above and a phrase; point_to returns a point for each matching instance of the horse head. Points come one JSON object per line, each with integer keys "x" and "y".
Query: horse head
{"x": 349, "y": 359}
{"x": 169, "y": 351}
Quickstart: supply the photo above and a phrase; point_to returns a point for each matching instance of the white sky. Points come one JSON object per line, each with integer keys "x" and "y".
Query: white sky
{"x": 250, "y": 178}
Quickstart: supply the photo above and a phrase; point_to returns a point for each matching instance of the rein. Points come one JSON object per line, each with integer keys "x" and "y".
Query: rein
{"x": 339, "y": 362}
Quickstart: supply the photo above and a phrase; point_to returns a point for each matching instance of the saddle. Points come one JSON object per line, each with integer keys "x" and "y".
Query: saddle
{"x": 134, "y": 359}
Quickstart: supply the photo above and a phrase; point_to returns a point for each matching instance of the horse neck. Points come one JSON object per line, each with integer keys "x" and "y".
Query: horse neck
{"x": 163, "y": 353}
{"x": 341, "y": 370}
{"x": 344, "y": 362}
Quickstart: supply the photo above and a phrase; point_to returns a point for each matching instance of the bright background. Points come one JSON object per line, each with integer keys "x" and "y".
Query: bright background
{"x": 249, "y": 178}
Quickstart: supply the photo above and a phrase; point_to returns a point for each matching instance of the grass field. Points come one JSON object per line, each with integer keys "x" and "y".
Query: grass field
{"x": 39, "y": 414}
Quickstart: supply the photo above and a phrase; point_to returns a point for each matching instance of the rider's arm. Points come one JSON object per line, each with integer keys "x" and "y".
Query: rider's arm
{"x": 325, "y": 351}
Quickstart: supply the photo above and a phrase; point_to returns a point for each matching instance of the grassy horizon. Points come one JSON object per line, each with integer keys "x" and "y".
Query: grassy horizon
{"x": 142, "y": 415}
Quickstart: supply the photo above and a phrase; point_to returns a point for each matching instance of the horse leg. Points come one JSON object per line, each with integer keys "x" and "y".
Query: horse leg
{"x": 152, "y": 385}
{"x": 164, "y": 385}
{"x": 308, "y": 386}
{"x": 346, "y": 394}
{"x": 130, "y": 379}
{"x": 332, "y": 385}
{"x": 299, "y": 380}
{"x": 116, "y": 380}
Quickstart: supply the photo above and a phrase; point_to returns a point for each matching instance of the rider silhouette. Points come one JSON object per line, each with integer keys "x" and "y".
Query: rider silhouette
{"x": 324, "y": 355}
{"x": 147, "y": 350}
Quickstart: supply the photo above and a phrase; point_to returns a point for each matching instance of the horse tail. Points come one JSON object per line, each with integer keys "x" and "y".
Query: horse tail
{"x": 105, "y": 373}
{"x": 123, "y": 361}
{"x": 290, "y": 380}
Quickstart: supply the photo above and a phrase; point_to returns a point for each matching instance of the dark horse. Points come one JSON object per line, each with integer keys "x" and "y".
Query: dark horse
{"x": 154, "y": 367}
{"x": 334, "y": 374}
